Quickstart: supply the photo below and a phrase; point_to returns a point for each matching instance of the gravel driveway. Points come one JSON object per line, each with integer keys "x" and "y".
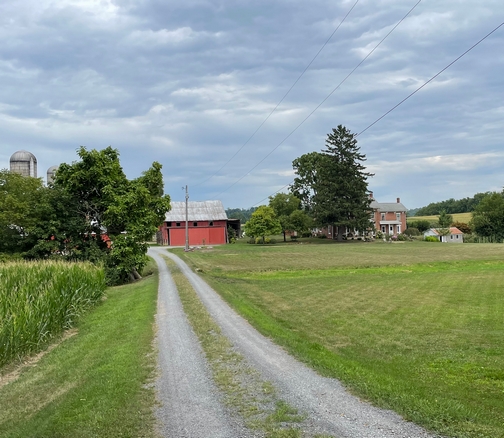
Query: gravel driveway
{"x": 190, "y": 405}
{"x": 330, "y": 409}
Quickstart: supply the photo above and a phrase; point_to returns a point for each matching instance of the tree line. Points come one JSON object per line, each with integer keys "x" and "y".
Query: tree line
{"x": 90, "y": 212}
{"x": 451, "y": 206}
{"x": 240, "y": 213}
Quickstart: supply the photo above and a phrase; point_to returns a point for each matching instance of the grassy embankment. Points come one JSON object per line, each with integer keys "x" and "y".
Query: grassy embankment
{"x": 415, "y": 327}
{"x": 94, "y": 383}
{"x": 457, "y": 217}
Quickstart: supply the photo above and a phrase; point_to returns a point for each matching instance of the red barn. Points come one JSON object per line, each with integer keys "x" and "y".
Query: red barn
{"x": 207, "y": 224}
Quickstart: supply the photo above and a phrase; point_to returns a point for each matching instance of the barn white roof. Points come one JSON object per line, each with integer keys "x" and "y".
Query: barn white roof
{"x": 197, "y": 211}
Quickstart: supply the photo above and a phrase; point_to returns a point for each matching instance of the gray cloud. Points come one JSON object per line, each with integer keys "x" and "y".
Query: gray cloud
{"x": 187, "y": 83}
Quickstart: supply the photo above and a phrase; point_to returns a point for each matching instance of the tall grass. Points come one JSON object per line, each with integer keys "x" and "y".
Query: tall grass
{"x": 39, "y": 300}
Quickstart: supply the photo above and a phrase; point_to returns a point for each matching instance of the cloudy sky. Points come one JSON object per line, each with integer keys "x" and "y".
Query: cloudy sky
{"x": 187, "y": 83}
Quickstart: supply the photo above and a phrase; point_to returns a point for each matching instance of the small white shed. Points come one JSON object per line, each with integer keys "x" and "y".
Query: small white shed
{"x": 453, "y": 235}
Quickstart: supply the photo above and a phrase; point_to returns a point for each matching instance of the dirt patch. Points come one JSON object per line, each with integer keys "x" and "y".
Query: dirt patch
{"x": 11, "y": 372}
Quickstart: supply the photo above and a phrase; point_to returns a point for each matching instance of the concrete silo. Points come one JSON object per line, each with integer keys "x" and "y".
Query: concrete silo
{"x": 24, "y": 163}
{"x": 50, "y": 174}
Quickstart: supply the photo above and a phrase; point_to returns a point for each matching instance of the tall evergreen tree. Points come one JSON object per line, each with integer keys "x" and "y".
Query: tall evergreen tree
{"x": 341, "y": 196}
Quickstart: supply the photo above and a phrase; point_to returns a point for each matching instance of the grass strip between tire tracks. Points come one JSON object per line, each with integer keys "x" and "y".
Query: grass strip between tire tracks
{"x": 245, "y": 392}
{"x": 96, "y": 383}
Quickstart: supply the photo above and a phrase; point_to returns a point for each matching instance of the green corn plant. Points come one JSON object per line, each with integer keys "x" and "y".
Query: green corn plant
{"x": 38, "y": 300}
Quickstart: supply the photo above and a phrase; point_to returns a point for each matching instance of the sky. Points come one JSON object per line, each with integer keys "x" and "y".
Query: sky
{"x": 202, "y": 86}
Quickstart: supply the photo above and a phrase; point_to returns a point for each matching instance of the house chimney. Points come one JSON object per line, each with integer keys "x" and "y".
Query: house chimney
{"x": 371, "y": 195}
{"x": 398, "y": 200}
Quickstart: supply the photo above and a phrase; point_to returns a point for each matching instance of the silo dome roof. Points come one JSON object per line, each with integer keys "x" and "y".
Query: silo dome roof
{"x": 22, "y": 156}
{"x": 52, "y": 169}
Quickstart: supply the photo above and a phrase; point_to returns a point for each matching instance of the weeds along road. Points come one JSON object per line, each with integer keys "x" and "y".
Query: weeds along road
{"x": 329, "y": 408}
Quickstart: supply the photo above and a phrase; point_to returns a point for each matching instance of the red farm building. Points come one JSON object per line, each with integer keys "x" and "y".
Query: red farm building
{"x": 207, "y": 224}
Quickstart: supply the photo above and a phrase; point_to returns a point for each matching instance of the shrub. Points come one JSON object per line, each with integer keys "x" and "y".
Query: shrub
{"x": 412, "y": 232}
{"x": 421, "y": 225}
{"x": 251, "y": 240}
{"x": 462, "y": 226}
{"x": 10, "y": 257}
{"x": 231, "y": 234}
{"x": 431, "y": 239}
{"x": 322, "y": 236}
{"x": 402, "y": 237}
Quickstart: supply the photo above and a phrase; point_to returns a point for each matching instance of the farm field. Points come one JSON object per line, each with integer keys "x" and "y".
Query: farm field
{"x": 415, "y": 327}
{"x": 94, "y": 383}
{"x": 457, "y": 217}
{"x": 38, "y": 300}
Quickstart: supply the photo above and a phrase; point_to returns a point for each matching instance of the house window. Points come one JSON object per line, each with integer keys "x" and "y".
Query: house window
{"x": 383, "y": 216}
{"x": 210, "y": 224}
{"x": 398, "y": 216}
{"x": 383, "y": 229}
{"x": 168, "y": 224}
{"x": 195, "y": 224}
{"x": 178, "y": 224}
{"x": 398, "y": 229}
{"x": 391, "y": 228}
{"x": 457, "y": 236}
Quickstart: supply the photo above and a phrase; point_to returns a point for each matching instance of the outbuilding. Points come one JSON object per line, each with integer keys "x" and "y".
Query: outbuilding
{"x": 207, "y": 224}
{"x": 452, "y": 235}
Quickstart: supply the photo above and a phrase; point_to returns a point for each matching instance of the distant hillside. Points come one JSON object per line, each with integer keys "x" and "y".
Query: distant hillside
{"x": 457, "y": 217}
{"x": 451, "y": 206}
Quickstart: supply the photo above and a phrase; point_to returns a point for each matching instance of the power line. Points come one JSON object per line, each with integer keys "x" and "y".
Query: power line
{"x": 283, "y": 98}
{"x": 431, "y": 79}
{"x": 324, "y": 100}
{"x": 274, "y": 193}
{"x": 411, "y": 94}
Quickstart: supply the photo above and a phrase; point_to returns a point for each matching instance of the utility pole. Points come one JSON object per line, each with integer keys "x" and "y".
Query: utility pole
{"x": 186, "y": 220}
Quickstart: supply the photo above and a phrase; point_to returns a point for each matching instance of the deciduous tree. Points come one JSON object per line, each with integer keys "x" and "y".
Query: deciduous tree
{"x": 127, "y": 211}
{"x": 488, "y": 217}
{"x": 284, "y": 204}
{"x": 307, "y": 168}
{"x": 262, "y": 223}
{"x": 21, "y": 202}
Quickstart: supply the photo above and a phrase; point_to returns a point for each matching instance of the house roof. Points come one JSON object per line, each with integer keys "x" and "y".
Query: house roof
{"x": 196, "y": 211}
{"x": 388, "y": 206}
{"x": 453, "y": 230}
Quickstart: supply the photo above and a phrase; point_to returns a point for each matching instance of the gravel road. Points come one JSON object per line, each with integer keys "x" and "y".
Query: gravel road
{"x": 330, "y": 409}
{"x": 190, "y": 404}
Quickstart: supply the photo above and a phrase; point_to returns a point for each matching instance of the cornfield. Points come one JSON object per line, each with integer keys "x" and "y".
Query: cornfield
{"x": 39, "y": 300}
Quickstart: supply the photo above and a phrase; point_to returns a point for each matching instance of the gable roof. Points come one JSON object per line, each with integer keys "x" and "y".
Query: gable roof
{"x": 388, "y": 206}
{"x": 196, "y": 211}
{"x": 453, "y": 230}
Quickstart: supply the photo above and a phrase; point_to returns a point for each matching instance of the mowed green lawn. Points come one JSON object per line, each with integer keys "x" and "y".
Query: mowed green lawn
{"x": 416, "y": 327}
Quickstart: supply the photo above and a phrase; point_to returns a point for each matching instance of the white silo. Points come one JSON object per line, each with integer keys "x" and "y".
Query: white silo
{"x": 24, "y": 163}
{"x": 50, "y": 174}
